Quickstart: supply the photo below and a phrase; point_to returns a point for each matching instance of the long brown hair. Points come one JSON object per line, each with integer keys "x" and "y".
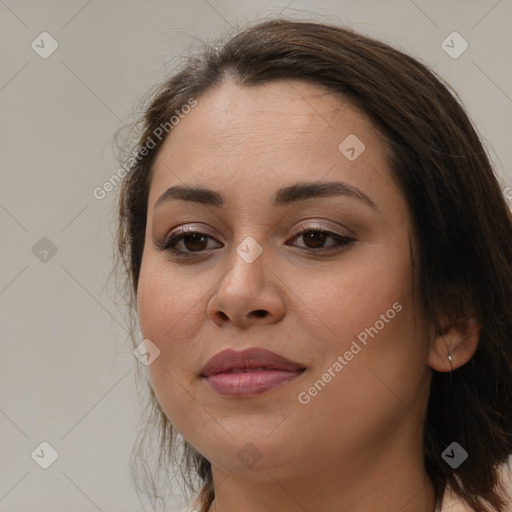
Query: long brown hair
{"x": 460, "y": 216}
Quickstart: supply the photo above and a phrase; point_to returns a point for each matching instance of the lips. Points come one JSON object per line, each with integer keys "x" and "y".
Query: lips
{"x": 251, "y": 359}
{"x": 249, "y": 373}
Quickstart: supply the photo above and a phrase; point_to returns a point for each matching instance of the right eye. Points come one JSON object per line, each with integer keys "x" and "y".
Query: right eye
{"x": 192, "y": 242}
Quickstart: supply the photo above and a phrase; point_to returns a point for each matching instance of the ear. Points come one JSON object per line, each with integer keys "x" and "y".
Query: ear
{"x": 460, "y": 341}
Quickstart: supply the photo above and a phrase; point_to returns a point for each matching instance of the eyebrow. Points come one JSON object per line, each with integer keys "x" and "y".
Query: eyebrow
{"x": 284, "y": 196}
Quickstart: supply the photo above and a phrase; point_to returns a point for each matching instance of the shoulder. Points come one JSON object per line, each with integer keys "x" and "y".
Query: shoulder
{"x": 453, "y": 503}
{"x": 189, "y": 508}
{"x": 194, "y": 506}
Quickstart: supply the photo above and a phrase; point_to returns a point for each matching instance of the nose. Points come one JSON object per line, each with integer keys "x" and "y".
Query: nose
{"x": 248, "y": 293}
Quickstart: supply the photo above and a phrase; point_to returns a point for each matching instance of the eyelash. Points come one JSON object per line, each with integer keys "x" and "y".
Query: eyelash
{"x": 169, "y": 243}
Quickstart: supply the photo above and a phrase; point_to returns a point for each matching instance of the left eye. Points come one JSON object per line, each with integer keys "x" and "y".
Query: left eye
{"x": 196, "y": 242}
{"x": 317, "y": 238}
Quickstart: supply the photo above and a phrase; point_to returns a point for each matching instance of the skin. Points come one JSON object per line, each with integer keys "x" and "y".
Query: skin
{"x": 358, "y": 443}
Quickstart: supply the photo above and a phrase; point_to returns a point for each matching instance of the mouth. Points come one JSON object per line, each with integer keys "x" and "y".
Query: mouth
{"x": 250, "y": 372}
{"x": 253, "y": 382}
{"x": 245, "y": 370}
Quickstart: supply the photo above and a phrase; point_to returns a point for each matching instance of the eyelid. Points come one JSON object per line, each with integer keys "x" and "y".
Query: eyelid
{"x": 177, "y": 232}
{"x": 315, "y": 226}
{"x": 180, "y": 232}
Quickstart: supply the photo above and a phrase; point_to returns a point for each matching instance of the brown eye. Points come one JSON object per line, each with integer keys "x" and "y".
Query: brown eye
{"x": 316, "y": 238}
{"x": 195, "y": 241}
{"x": 185, "y": 242}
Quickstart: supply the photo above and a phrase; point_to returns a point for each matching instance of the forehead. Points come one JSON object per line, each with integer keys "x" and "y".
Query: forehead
{"x": 284, "y": 111}
{"x": 267, "y": 136}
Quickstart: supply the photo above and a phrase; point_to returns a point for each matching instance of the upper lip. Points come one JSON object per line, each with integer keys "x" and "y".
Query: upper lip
{"x": 229, "y": 359}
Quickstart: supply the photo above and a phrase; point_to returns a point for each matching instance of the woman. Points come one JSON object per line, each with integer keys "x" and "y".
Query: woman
{"x": 320, "y": 257}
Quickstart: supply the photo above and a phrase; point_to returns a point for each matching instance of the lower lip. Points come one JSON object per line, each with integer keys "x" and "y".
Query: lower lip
{"x": 246, "y": 384}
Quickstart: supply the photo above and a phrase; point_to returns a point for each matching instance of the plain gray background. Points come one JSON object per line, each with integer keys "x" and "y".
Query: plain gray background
{"x": 67, "y": 374}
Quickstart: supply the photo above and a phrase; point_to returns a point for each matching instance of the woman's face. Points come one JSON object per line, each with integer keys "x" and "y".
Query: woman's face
{"x": 345, "y": 312}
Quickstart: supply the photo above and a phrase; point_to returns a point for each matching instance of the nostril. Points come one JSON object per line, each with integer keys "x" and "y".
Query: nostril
{"x": 260, "y": 312}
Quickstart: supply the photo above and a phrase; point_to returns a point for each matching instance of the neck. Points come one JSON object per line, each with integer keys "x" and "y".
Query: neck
{"x": 391, "y": 487}
{"x": 386, "y": 472}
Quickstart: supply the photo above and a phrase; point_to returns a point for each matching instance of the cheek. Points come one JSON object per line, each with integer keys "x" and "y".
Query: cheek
{"x": 352, "y": 294}
{"x": 364, "y": 311}
{"x": 171, "y": 310}
{"x": 368, "y": 313}
{"x": 167, "y": 304}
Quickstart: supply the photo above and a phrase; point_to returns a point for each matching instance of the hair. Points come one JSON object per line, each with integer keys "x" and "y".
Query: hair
{"x": 460, "y": 217}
